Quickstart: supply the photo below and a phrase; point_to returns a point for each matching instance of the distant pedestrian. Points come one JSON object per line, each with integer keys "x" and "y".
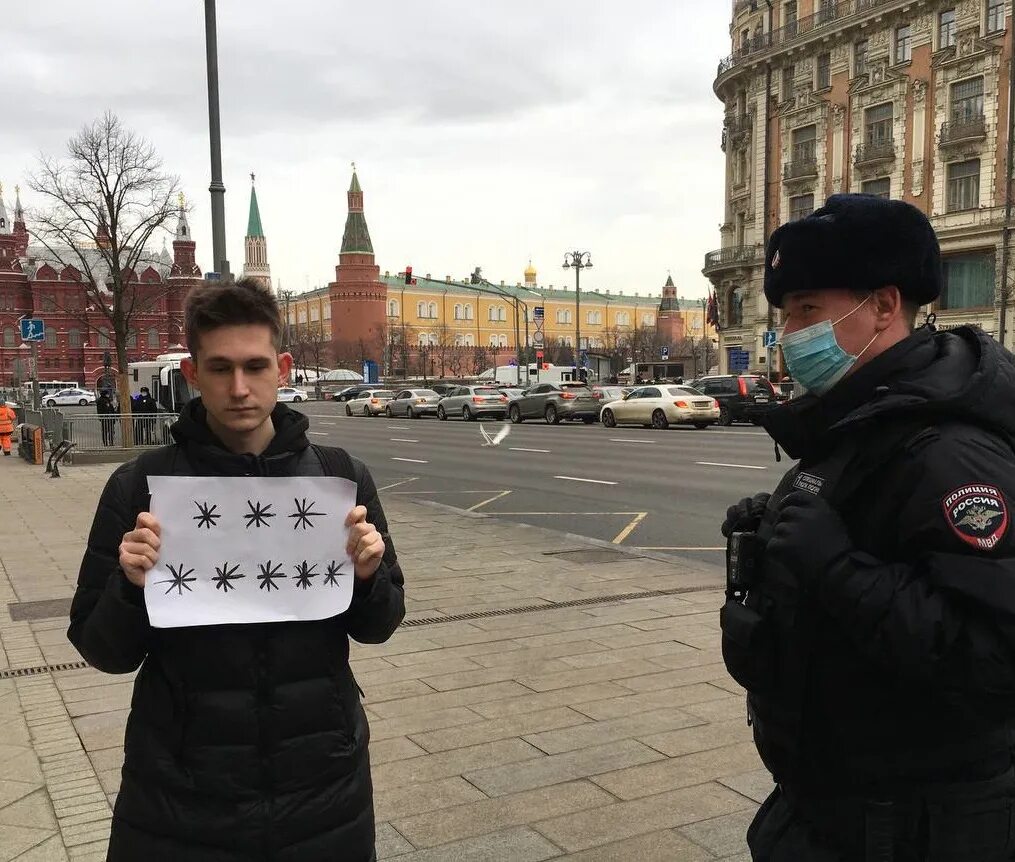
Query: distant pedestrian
{"x": 7, "y": 419}
{"x": 148, "y": 407}
{"x": 106, "y": 408}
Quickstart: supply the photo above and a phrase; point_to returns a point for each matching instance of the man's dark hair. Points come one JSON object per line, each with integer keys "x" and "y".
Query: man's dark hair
{"x": 242, "y": 302}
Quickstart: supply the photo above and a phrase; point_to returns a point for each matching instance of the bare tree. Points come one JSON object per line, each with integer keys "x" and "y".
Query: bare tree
{"x": 480, "y": 360}
{"x": 103, "y": 203}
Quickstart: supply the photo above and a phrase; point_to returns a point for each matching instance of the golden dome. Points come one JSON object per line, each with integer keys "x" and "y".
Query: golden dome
{"x": 530, "y": 271}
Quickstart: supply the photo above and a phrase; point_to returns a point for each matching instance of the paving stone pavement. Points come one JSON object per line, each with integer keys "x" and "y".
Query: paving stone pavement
{"x": 600, "y": 730}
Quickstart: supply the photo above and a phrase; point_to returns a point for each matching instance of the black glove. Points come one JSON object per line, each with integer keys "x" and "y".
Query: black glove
{"x": 809, "y": 538}
{"x": 745, "y": 516}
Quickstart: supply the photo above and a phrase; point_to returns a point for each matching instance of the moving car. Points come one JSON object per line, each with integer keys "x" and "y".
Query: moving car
{"x": 350, "y": 392}
{"x": 555, "y": 401}
{"x": 413, "y": 403}
{"x": 741, "y": 397}
{"x": 369, "y": 402}
{"x": 291, "y": 393}
{"x": 473, "y": 402}
{"x": 64, "y": 397}
{"x": 661, "y": 406}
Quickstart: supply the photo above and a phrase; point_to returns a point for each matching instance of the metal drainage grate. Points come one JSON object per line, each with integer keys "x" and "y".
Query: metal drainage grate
{"x": 556, "y": 606}
{"x": 593, "y": 555}
{"x": 15, "y": 672}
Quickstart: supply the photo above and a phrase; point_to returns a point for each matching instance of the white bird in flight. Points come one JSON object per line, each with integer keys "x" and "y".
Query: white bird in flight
{"x": 498, "y": 437}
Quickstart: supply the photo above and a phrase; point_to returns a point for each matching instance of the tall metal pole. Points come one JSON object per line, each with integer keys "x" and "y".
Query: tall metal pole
{"x": 217, "y": 187}
{"x": 577, "y": 320}
{"x": 1002, "y": 323}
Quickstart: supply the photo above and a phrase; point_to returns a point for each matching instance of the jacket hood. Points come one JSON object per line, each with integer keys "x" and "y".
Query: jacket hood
{"x": 191, "y": 431}
{"x": 962, "y": 374}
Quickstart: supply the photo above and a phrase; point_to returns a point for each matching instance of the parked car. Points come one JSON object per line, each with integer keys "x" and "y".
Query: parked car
{"x": 444, "y": 388}
{"x": 555, "y": 401}
{"x": 350, "y": 392}
{"x": 65, "y": 397}
{"x": 741, "y": 397}
{"x": 414, "y": 403}
{"x": 473, "y": 402}
{"x": 291, "y": 393}
{"x": 512, "y": 392}
{"x": 605, "y": 394}
{"x": 661, "y": 406}
{"x": 369, "y": 402}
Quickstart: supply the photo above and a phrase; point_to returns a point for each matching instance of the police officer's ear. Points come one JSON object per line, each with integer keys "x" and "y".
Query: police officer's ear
{"x": 889, "y": 308}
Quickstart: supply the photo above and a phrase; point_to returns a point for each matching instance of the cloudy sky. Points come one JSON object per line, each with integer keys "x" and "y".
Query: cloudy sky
{"x": 483, "y": 133}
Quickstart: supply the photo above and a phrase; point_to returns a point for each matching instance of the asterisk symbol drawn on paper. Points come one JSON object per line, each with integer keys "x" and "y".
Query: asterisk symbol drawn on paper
{"x": 208, "y": 517}
{"x": 304, "y": 573}
{"x": 332, "y": 572}
{"x": 304, "y": 512}
{"x": 180, "y": 579}
{"x": 268, "y": 575}
{"x": 258, "y": 514}
{"x": 224, "y": 574}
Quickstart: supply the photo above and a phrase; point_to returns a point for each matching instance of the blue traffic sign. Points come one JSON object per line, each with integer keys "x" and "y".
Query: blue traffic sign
{"x": 538, "y": 312}
{"x": 664, "y": 352}
{"x": 769, "y": 339}
{"x": 33, "y": 329}
{"x": 739, "y": 360}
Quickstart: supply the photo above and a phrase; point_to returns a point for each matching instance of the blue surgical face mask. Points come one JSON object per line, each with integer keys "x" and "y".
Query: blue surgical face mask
{"x": 814, "y": 356}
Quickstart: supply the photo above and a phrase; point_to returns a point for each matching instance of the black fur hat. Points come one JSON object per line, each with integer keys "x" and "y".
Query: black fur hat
{"x": 858, "y": 242}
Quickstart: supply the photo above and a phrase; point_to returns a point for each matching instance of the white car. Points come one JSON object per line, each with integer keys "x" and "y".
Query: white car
{"x": 65, "y": 397}
{"x": 660, "y": 406}
{"x": 369, "y": 402}
{"x": 291, "y": 393}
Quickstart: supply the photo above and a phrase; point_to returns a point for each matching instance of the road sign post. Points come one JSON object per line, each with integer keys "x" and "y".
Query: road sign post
{"x": 33, "y": 330}
{"x": 664, "y": 353}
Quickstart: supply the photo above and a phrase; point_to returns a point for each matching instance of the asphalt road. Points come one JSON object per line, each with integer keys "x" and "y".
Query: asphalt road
{"x": 665, "y": 490}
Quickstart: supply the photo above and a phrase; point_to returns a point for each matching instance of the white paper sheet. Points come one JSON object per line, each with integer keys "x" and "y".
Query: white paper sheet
{"x": 249, "y": 549}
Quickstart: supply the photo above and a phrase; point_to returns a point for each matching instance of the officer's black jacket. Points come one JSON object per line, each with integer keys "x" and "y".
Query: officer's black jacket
{"x": 911, "y": 636}
{"x": 244, "y": 742}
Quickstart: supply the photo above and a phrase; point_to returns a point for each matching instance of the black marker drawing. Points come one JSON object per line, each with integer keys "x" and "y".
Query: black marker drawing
{"x": 304, "y": 512}
{"x": 304, "y": 573}
{"x": 268, "y": 575}
{"x": 331, "y": 574}
{"x": 224, "y": 575}
{"x": 179, "y": 580}
{"x": 208, "y": 517}
{"x": 258, "y": 514}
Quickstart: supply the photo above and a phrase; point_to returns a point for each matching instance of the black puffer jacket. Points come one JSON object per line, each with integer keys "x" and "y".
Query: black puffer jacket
{"x": 244, "y": 742}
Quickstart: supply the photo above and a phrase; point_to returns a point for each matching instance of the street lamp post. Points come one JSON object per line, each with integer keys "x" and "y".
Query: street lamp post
{"x": 578, "y": 260}
{"x": 217, "y": 187}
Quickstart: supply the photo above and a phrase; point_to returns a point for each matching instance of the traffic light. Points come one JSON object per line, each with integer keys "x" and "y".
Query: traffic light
{"x": 408, "y": 276}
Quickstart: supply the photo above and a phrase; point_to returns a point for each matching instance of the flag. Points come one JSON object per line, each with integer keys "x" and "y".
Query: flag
{"x": 712, "y": 312}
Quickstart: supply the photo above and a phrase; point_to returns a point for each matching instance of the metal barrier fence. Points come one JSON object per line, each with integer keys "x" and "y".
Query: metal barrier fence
{"x": 91, "y": 432}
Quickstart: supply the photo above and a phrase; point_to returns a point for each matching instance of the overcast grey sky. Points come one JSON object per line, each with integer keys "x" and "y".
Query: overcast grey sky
{"x": 483, "y": 133}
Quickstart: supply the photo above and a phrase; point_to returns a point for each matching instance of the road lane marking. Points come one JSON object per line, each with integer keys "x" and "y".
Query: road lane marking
{"x": 676, "y": 548}
{"x": 421, "y": 493}
{"x": 741, "y": 466}
{"x": 490, "y": 500}
{"x": 623, "y": 440}
{"x": 563, "y": 513}
{"x": 397, "y": 428}
{"x": 319, "y": 433}
{"x": 411, "y": 460}
{"x": 520, "y": 449}
{"x": 327, "y": 423}
{"x": 623, "y": 534}
{"x": 590, "y": 481}
{"x": 402, "y": 440}
{"x": 396, "y": 484}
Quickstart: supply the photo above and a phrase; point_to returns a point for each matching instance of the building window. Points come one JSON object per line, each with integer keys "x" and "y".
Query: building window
{"x": 74, "y": 338}
{"x": 995, "y": 16}
{"x": 967, "y": 101}
{"x": 132, "y": 340}
{"x": 458, "y": 311}
{"x": 878, "y": 124}
{"x": 903, "y": 44}
{"x": 800, "y": 207}
{"x": 315, "y": 313}
{"x": 594, "y": 318}
{"x": 9, "y": 336}
{"x": 103, "y": 337}
{"x": 648, "y": 320}
{"x": 468, "y": 311}
{"x": 301, "y": 314}
{"x": 393, "y": 308}
{"x": 881, "y": 187}
{"x": 968, "y": 281}
{"x": 804, "y": 141}
{"x": 860, "y": 58}
{"x": 964, "y": 185}
{"x": 736, "y": 311}
{"x": 563, "y": 316}
{"x": 498, "y": 312}
{"x": 623, "y": 318}
{"x": 50, "y": 337}
{"x": 788, "y": 73}
{"x": 824, "y": 71}
{"x": 946, "y": 29}
{"x": 431, "y": 311}
{"x": 153, "y": 339}
{"x": 327, "y": 311}
{"x": 789, "y": 19}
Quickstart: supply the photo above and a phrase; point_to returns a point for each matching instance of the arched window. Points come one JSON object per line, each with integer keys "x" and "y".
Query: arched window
{"x": 153, "y": 338}
{"x": 103, "y": 337}
{"x": 647, "y": 320}
{"x": 420, "y": 309}
{"x": 73, "y": 337}
{"x": 468, "y": 311}
{"x": 458, "y": 311}
{"x": 392, "y": 308}
{"x": 132, "y": 340}
{"x": 432, "y": 311}
{"x": 736, "y": 315}
{"x": 50, "y": 337}
{"x": 623, "y": 319}
{"x": 9, "y": 336}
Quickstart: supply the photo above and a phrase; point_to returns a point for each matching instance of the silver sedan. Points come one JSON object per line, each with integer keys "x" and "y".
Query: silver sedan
{"x": 413, "y": 403}
{"x": 472, "y": 402}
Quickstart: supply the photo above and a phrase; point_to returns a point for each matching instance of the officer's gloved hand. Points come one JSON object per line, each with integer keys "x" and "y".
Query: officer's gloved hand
{"x": 809, "y": 538}
{"x": 745, "y": 516}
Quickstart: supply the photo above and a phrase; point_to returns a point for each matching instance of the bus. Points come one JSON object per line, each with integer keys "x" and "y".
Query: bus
{"x": 164, "y": 380}
{"x": 48, "y": 387}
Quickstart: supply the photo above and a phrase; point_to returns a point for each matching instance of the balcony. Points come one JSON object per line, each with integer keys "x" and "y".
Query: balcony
{"x": 874, "y": 153}
{"x": 735, "y": 130}
{"x": 800, "y": 169}
{"x": 732, "y": 257}
{"x": 829, "y": 17}
{"x": 963, "y": 130}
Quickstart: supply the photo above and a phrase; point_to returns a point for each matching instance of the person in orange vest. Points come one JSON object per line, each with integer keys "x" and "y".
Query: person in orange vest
{"x": 7, "y": 420}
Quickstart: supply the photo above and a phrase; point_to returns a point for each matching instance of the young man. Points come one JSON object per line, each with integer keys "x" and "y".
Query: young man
{"x": 244, "y": 742}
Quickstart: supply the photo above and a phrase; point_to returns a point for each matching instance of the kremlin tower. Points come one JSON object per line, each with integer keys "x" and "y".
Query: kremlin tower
{"x": 255, "y": 260}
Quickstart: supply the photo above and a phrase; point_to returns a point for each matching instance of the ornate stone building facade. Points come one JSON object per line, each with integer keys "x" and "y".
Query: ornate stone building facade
{"x": 906, "y": 99}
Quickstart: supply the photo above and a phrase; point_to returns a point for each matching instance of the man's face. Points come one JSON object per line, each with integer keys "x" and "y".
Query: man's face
{"x": 238, "y": 372}
{"x": 805, "y": 308}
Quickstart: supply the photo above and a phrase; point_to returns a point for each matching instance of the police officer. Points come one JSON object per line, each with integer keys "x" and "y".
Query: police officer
{"x": 870, "y": 608}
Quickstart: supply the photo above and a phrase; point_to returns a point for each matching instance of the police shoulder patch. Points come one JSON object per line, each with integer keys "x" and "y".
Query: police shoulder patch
{"x": 977, "y": 514}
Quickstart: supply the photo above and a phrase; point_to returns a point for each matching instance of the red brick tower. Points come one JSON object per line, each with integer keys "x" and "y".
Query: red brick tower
{"x": 20, "y": 231}
{"x": 357, "y": 294}
{"x": 184, "y": 276}
{"x": 669, "y": 320}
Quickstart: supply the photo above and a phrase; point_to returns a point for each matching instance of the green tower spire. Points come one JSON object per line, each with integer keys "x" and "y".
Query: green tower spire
{"x": 356, "y": 239}
{"x": 254, "y": 221}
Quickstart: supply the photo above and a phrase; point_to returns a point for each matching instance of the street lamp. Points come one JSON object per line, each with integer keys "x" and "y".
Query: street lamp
{"x": 217, "y": 187}
{"x": 579, "y": 260}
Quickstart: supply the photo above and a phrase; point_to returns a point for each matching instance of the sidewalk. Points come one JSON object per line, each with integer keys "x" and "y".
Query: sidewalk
{"x": 532, "y": 706}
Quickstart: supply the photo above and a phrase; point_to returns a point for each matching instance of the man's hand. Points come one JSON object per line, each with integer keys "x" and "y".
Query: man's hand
{"x": 809, "y": 537}
{"x": 366, "y": 545}
{"x": 139, "y": 550}
{"x": 745, "y": 516}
